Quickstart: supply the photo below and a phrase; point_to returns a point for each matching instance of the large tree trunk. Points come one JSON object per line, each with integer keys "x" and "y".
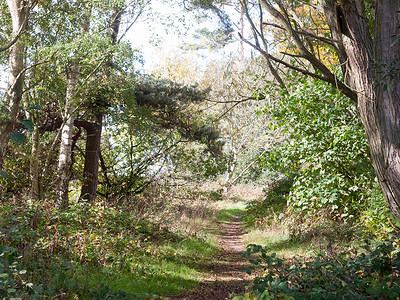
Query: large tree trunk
{"x": 378, "y": 88}
{"x": 9, "y": 107}
{"x": 387, "y": 87}
{"x": 92, "y": 154}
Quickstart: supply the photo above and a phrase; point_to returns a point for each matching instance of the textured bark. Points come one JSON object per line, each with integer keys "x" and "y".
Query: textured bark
{"x": 92, "y": 154}
{"x": 377, "y": 88}
{"x": 330, "y": 14}
{"x": 386, "y": 152}
{"x": 9, "y": 106}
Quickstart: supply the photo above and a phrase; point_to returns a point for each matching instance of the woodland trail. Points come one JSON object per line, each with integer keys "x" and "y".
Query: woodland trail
{"x": 226, "y": 275}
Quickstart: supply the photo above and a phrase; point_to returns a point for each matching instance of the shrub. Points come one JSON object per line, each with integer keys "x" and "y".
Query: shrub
{"x": 273, "y": 205}
{"x": 371, "y": 274}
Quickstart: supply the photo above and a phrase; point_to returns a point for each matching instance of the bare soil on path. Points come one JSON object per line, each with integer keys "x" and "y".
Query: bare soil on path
{"x": 226, "y": 269}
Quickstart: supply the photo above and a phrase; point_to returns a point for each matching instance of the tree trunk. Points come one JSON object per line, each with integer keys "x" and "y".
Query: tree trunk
{"x": 386, "y": 153}
{"x": 378, "y": 87}
{"x": 9, "y": 107}
{"x": 64, "y": 159}
{"x": 65, "y": 156}
{"x": 231, "y": 167}
{"x": 93, "y": 130}
{"x": 34, "y": 164}
{"x": 92, "y": 154}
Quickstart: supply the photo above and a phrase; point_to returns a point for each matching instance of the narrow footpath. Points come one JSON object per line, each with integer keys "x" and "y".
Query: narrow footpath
{"x": 226, "y": 275}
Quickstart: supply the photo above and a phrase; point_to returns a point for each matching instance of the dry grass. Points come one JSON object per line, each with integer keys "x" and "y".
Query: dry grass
{"x": 245, "y": 192}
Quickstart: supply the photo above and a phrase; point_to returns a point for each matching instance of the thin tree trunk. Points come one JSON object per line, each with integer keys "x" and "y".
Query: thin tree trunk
{"x": 231, "y": 168}
{"x": 64, "y": 159}
{"x": 9, "y": 107}
{"x": 34, "y": 164}
{"x": 246, "y": 168}
{"x": 65, "y": 154}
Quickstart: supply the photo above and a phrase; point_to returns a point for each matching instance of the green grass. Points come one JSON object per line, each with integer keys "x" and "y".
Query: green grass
{"x": 229, "y": 209}
{"x": 164, "y": 269}
{"x": 278, "y": 240}
{"x": 225, "y": 215}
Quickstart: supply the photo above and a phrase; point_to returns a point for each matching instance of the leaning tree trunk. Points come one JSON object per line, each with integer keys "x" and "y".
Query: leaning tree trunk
{"x": 375, "y": 71}
{"x": 19, "y": 11}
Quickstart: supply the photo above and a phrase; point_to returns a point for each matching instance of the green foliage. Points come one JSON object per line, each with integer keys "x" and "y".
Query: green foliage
{"x": 272, "y": 207}
{"x": 365, "y": 275}
{"x": 92, "y": 252}
{"x": 13, "y": 279}
{"x": 326, "y": 147}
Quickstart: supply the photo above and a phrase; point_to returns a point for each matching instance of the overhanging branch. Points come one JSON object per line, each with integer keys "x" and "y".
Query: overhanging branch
{"x": 331, "y": 79}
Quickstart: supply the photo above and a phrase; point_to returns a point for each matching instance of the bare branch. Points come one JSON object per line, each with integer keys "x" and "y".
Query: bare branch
{"x": 332, "y": 80}
{"x": 307, "y": 32}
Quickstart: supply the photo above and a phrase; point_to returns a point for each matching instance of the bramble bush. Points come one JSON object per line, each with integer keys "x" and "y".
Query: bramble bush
{"x": 52, "y": 248}
{"x": 371, "y": 274}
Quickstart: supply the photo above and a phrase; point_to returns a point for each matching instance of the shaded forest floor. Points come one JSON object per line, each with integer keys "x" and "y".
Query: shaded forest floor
{"x": 164, "y": 244}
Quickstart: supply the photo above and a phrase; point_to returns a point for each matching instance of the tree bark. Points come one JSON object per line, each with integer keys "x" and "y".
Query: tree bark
{"x": 65, "y": 154}
{"x": 34, "y": 164}
{"x": 93, "y": 130}
{"x": 92, "y": 154}
{"x": 377, "y": 88}
{"x": 9, "y": 107}
{"x": 386, "y": 152}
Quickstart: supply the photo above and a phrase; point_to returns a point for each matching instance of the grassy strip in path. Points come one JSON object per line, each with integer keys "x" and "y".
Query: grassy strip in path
{"x": 229, "y": 209}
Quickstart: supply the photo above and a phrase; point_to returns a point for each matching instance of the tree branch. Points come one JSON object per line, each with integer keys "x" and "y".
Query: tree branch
{"x": 21, "y": 29}
{"x": 332, "y": 79}
{"x": 307, "y": 32}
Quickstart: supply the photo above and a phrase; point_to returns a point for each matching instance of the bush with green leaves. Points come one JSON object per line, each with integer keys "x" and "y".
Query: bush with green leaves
{"x": 371, "y": 274}
{"x": 271, "y": 207}
{"x": 326, "y": 146}
{"x": 13, "y": 278}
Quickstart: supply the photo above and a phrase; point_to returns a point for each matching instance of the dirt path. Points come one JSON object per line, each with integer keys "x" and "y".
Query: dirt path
{"x": 226, "y": 275}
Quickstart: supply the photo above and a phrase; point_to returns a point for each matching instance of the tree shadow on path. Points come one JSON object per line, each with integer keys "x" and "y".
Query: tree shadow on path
{"x": 225, "y": 271}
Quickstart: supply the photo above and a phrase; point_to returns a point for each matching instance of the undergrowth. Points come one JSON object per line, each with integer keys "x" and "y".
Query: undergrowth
{"x": 370, "y": 274}
{"x": 322, "y": 255}
{"x": 96, "y": 252}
